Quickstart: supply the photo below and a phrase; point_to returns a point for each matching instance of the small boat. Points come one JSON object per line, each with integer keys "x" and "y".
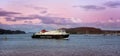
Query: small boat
{"x": 55, "y": 34}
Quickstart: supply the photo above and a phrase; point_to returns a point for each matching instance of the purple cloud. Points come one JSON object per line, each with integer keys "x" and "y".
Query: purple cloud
{"x": 0, "y": 9}
{"x": 113, "y": 4}
{"x": 42, "y": 10}
{"x": 39, "y": 8}
{"x": 10, "y": 19}
{"x": 109, "y": 26}
{"x": 35, "y": 7}
{"x": 7, "y": 13}
{"x": 91, "y": 7}
{"x": 18, "y": 18}
{"x": 24, "y": 18}
{"x": 53, "y": 20}
{"x": 44, "y": 19}
{"x": 27, "y": 21}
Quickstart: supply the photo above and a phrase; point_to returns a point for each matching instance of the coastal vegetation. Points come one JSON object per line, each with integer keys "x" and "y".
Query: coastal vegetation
{"x": 90, "y": 30}
{"x": 3, "y": 31}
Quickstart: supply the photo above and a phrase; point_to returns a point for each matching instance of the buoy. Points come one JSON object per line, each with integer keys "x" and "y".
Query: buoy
{"x": 5, "y": 38}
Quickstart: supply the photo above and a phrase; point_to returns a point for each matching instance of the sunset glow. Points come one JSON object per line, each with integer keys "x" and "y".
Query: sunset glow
{"x": 33, "y": 15}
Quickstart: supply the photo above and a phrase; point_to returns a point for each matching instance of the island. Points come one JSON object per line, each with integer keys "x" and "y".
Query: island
{"x": 4, "y": 31}
{"x": 90, "y": 30}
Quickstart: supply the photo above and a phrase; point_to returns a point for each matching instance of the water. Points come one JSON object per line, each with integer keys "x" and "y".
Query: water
{"x": 77, "y": 45}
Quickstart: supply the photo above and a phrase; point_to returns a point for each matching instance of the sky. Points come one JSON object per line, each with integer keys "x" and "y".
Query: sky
{"x": 34, "y": 15}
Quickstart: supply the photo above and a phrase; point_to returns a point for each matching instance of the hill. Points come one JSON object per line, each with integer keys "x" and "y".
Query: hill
{"x": 3, "y": 31}
{"x": 89, "y": 30}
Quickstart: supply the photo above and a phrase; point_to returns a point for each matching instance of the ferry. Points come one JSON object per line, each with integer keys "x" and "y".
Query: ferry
{"x": 55, "y": 34}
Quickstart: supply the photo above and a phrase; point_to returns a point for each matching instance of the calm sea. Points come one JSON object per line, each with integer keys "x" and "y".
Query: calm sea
{"x": 76, "y": 45}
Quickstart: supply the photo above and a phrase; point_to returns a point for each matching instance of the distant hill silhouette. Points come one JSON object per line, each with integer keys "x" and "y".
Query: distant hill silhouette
{"x": 89, "y": 30}
{"x": 3, "y": 31}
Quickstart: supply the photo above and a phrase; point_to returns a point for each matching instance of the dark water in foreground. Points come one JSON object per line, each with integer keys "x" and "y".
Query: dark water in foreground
{"x": 77, "y": 45}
